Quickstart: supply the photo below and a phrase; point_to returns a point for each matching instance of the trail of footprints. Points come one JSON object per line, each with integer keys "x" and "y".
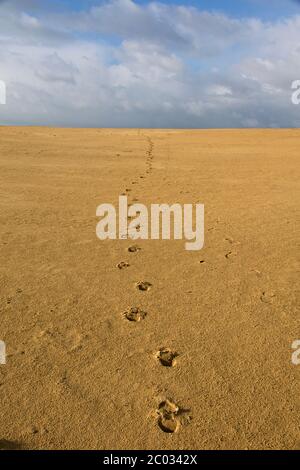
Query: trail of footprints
{"x": 149, "y": 168}
{"x": 169, "y": 415}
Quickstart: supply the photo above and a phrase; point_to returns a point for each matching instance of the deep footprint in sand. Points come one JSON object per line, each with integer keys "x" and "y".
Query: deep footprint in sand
{"x": 168, "y": 424}
{"x": 168, "y": 417}
{"x": 143, "y": 286}
{"x": 134, "y": 249}
{"x": 135, "y": 314}
{"x": 171, "y": 416}
{"x": 166, "y": 357}
{"x": 123, "y": 265}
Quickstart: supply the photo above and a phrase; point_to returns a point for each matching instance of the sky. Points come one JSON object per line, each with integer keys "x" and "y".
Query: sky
{"x": 130, "y": 63}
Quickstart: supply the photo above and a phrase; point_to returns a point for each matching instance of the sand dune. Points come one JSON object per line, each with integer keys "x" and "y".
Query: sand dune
{"x": 198, "y": 359}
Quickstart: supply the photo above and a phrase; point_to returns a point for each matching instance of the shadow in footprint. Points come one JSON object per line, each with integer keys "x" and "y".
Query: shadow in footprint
{"x": 267, "y": 297}
{"x": 134, "y": 249}
{"x": 143, "y": 286}
{"x": 171, "y": 416}
{"x": 123, "y": 265}
{"x": 135, "y": 314}
{"x": 167, "y": 417}
{"x": 166, "y": 357}
{"x": 230, "y": 254}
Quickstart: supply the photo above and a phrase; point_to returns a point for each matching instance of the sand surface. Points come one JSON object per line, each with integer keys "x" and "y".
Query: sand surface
{"x": 81, "y": 375}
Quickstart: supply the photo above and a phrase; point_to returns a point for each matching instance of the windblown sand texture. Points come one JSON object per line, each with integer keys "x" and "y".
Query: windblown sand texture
{"x": 141, "y": 344}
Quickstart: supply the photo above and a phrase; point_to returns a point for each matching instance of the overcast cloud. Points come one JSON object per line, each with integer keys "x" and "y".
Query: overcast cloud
{"x": 153, "y": 65}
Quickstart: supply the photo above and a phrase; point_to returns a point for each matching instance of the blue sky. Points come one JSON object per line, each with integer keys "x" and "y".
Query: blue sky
{"x": 131, "y": 63}
{"x": 266, "y": 9}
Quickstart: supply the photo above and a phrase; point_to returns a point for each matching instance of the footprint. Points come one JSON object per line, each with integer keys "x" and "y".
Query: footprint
{"x": 35, "y": 430}
{"x": 123, "y": 265}
{"x": 166, "y": 357}
{"x": 267, "y": 297}
{"x": 135, "y": 314}
{"x": 143, "y": 285}
{"x": 168, "y": 424}
{"x": 134, "y": 249}
{"x": 168, "y": 416}
{"x": 171, "y": 416}
{"x": 230, "y": 253}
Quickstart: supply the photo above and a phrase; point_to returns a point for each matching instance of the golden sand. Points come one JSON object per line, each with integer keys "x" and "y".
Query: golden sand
{"x": 201, "y": 359}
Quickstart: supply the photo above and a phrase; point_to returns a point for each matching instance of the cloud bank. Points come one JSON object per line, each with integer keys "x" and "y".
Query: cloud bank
{"x": 120, "y": 64}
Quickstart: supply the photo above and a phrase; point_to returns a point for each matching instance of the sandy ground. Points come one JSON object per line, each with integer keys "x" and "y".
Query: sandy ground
{"x": 81, "y": 375}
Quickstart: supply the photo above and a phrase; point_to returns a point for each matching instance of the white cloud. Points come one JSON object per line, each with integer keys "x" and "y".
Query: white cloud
{"x": 170, "y": 66}
{"x": 219, "y": 90}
